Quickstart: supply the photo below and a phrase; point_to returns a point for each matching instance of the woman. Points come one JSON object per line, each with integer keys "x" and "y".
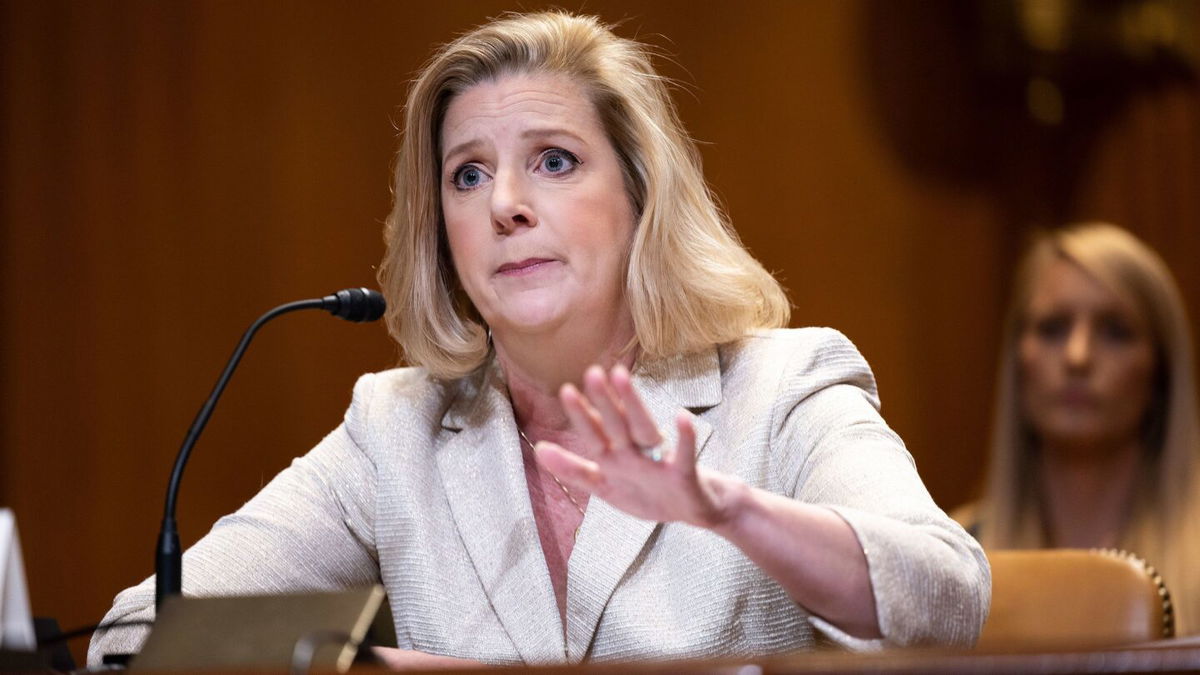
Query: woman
{"x": 1096, "y": 440}
{"x": 594, "y": 384}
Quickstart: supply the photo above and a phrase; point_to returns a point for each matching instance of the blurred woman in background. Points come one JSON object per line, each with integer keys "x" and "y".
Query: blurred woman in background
{"x": 1095, "y": 438}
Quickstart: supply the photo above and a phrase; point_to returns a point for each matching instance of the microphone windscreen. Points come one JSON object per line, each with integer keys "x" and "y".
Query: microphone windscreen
{"x": 356, "y": 304}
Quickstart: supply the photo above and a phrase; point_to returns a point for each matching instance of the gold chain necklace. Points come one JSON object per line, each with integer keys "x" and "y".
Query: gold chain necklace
{"x": 556, "y": 480}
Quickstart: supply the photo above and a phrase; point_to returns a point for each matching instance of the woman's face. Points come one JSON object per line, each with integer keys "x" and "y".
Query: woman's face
{"x": 536, "y": 213}
{"x": 1087, "y": 362}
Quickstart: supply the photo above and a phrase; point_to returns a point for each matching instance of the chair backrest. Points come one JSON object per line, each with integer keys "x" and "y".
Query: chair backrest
{"x": 1066, "y": 598}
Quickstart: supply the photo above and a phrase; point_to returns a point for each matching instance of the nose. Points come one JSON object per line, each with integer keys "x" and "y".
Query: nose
{"x": 511, "y": 208}
{"x": 1079, "y": 346}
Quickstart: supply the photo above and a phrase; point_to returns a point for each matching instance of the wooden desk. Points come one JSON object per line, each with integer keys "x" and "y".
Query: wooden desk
{"x": 1167, "y": 656}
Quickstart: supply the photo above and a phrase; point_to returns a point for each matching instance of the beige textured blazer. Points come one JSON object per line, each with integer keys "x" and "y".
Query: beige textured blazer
{"x": 422, "y": 488}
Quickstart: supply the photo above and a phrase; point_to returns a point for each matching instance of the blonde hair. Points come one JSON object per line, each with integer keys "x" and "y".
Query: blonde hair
{"x": 1168, "y": 499}
{"x": 689, "y": 281}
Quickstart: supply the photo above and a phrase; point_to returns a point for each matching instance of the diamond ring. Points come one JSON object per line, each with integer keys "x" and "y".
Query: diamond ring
{"x": 652, "y": 453}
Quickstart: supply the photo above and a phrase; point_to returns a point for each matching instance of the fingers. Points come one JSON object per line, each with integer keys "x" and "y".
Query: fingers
{"x": 612, "y": 412}
{"x": 685, "y": 450}
{"x": 642, "y": 430}
{"x": 568, "y": 467}
{"x": 584, "y": 418}
{"x": 610, "y": 415}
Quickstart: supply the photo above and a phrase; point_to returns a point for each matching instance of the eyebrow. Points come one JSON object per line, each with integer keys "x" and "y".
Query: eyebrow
{"x": 539, "y": 133}
{"x": 550, "y": 132}
{"x": 464, "y": 147}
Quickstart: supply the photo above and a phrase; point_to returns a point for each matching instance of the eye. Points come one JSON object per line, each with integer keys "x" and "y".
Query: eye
{"x": 557, "y": 161}
{"x": 1114, "y": 329}
{"x": 468, "y": 177}
{"x": 1053, "y": 327}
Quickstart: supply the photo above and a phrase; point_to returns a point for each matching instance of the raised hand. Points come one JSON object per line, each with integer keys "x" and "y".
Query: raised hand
{"x": 808, "y": 549}
{"x": 626, "y": 464}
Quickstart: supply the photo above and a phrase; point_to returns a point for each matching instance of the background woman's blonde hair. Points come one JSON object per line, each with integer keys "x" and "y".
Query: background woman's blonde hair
{"x": 689, "y": 282}
{"x": 1162, "y": 525}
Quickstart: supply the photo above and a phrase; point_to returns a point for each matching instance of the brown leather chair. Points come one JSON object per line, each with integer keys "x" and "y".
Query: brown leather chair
{"x": 1066, "y": 598}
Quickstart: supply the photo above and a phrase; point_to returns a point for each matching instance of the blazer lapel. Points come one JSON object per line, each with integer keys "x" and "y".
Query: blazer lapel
{"x": 611, "y": 541}
{"x": 484, "y": 479}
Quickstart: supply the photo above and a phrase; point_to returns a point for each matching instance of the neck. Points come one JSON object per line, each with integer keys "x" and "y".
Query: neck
{"x": 1087, "y": 497}
{"x": 537, "y": 365}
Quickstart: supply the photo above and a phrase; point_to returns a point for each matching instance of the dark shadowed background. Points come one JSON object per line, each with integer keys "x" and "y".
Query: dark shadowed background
{"x": 172, "y": 170}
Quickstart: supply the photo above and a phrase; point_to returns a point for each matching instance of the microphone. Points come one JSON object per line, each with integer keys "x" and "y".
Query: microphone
{"x": 352, "y": 304}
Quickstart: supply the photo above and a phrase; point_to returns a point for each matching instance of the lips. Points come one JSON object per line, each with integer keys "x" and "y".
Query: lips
{"x": 1077, "y": 397}
{"x": 525, "y": 266}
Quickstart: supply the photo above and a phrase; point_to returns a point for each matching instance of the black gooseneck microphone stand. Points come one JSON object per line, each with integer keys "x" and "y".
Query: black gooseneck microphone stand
{"x": 352, "y": 304}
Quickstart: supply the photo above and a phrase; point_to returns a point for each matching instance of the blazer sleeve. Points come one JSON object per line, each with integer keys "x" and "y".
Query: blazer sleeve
{"x": 310, "y": 529}
{"x": 931, "y": 580}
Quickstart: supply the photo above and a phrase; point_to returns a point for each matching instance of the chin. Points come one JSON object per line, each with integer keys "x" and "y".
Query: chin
{"x": 533, "y": 318}
{"x": 1083, "y": 437}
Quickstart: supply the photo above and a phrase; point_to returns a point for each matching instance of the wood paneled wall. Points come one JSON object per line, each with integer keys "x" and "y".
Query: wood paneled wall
{"x": 171, "y": 170}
